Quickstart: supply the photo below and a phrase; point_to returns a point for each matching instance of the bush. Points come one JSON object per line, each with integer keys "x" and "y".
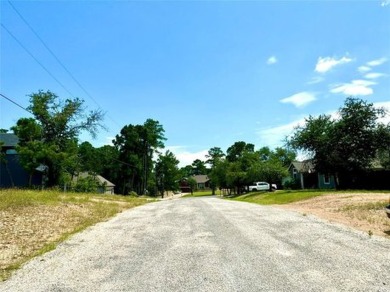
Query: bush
{"x": 86, "y": 185}
{"x": 291, "y": 184}
{"x": 133, "y": 194}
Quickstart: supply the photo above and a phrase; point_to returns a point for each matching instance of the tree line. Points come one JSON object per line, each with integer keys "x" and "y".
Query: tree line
{"x": 137, "y": 163}
{"x": 351, "y": 146}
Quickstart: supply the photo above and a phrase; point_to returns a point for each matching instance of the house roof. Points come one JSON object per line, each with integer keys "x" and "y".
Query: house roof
{"x": 99, "y": 178}
{"x": 201, "y": 178}
{"x": 9, "y": 140}
{"x": 303, "y": 166}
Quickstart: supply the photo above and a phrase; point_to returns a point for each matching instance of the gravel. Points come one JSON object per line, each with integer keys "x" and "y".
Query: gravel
{"x": 209, "y": 244}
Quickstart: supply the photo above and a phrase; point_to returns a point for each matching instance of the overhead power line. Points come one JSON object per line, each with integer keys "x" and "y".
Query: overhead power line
{"x": 54, "y": 55}
{"x": 14, "y": 102}
{"x": 36, "y": 60}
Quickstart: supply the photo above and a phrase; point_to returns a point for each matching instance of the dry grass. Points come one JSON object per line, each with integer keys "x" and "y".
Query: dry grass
{"x": 33, "y": 222}
{"x": 362, "y": 211}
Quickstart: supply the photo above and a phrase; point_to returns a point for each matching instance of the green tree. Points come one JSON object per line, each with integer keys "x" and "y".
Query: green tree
{"x": 108, "y": 164}
{"x": 187, "y": 171}
{"x": 130, "y": 153}
{"x": 152, "y": 140}
{"x": 136, "y": 145}
{"x": 356, "y": 134}
{"x": 89, "y": 158}
{"x": 384, "y": 146}
{"x": 283, "y": 155}
{"x": 346, "y": 146}
{"x": 167, "y": 173}
{"x": 31, "y": 155}
{"x": 214, "y": 156}
{"x": 57, "y": 125}
{"x": 192, "y": 184}
{"x": 235, "y": 152}
{"x": 240, "y": 157}
{"x": 199, "y": 167}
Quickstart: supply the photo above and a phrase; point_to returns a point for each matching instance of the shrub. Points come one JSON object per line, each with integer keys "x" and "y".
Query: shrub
{"x": 86, "y": 185}
{"x": 133, "y": 194}
{"x": 291, "y": 184}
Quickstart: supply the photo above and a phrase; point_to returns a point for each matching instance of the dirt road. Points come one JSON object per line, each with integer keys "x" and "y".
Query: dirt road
{"x": 209, "y": 244}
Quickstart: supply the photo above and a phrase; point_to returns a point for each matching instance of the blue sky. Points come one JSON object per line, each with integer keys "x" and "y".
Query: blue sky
{"x": 211, "y": 72}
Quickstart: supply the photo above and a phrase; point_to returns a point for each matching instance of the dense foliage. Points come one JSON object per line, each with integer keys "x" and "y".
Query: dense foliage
{"x": 50, "y": 138}
{"x": 242, "y": 165}
{"x": 346, "y": 146}
{"x": 353, "y": 143}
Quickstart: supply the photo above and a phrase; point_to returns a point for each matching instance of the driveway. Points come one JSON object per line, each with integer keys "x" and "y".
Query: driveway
{"x": 210, "y": 244}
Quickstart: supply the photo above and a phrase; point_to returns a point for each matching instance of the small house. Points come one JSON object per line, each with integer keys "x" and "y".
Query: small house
{"x": 304, "y": 172}
{"x": 104, "y": 185}
{"x": 202, "y": 182}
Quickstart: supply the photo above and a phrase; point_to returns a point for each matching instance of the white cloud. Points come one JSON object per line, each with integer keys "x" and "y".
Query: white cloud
{"x": 377, "y": 62}
{"x": 109, "y": 141}
{"x": 373, "y": 75}
{"x": 356, "y": 87}
{"x": 325, "y": 64}
{"x": 364, "y": 69}
{"x": 272, "y": 60}
{"x": 273, "y": 137}
{"x": 385, "y": 3}
{"x": 300, "y": 99}
{"x": 386, "y": 105}
{"x": 186, "y": 157}
{"x": 315, "y": 80}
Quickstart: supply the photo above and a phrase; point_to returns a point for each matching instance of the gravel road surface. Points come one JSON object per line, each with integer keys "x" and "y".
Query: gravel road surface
{"x": 210, "y": 244}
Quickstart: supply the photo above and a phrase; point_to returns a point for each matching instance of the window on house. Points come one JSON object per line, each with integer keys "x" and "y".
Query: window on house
{"x": 326, "y": 179}
{"x": 295, "y": 172}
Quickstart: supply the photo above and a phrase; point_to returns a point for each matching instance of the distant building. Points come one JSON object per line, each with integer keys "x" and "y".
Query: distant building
{"x": 304, "y": 172}
{"x": 12, "y": 174}
{"x": 202, "y": 182}
{"x": 104, "y": 185}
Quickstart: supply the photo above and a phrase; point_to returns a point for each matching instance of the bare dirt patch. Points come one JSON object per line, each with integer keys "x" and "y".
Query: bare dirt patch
{"x": 30, "y": 229}
{"x": 362, "y": 211}
{"x": 25, "y": 231}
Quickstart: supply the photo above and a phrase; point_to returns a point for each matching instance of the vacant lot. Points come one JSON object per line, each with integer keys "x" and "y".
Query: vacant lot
{"x": 32, "y": 222}
{"x": 360, "y": 210}
{"x": 363, "y": 211}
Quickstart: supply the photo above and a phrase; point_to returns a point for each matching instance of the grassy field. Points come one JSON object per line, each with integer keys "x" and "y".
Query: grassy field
{"x": 34, "y": 222}
{"x": 291, "y": 196}
{"x": 278, "y": 197}
{"x": 198, "y": 194}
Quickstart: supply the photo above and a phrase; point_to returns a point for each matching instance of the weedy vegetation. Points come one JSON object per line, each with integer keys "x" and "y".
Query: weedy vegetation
{"x": 34, "y": 222}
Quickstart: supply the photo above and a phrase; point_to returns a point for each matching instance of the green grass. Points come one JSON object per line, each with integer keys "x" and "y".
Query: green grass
{"x": 278, "y": 197}
{"x": 13, "y": 198}
{"x": 291, "y": 196}
{"x": 199, "y": 194}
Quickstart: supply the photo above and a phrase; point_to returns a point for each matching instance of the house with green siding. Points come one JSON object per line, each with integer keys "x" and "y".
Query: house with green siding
{"x": 304, "y": 172}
